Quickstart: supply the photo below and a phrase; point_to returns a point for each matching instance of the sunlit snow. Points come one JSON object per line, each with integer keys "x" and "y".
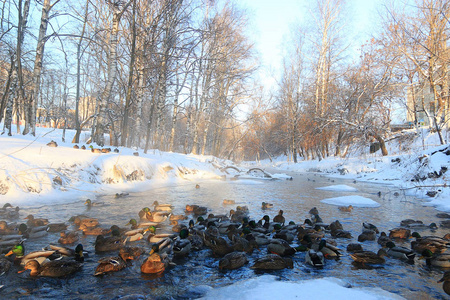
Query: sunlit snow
{"x": 356, "y": 201}
{"x": 268, "y": 287}
{"x": 338, "y": 188}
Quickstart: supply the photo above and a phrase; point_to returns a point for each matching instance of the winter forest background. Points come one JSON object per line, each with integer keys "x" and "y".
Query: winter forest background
{"x": 182, "y": 76}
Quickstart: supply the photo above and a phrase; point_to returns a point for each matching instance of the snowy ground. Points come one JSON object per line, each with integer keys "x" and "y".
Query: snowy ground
{"x": 32, "y": 172}
{"x": 417, "y": 165}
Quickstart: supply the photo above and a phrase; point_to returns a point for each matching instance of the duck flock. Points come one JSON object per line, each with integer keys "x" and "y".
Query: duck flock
{"x": 156, "y": 237}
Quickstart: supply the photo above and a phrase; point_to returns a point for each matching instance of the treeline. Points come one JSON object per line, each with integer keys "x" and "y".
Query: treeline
{"x": 330, "y": 104}
{"x": 176, "y": 74}
{"x": 164, "y": 74}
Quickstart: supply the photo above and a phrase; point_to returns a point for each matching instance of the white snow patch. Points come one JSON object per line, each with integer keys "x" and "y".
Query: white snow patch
{"x": 268, "y": 287}
{"x": 338, "y": 188}
{"x": 356, "y": 201}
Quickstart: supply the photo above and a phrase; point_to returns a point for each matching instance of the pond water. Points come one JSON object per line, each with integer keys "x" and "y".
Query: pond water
{"x": 185, "y": 280}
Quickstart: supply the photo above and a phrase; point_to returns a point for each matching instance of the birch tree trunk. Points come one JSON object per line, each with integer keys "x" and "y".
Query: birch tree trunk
{"x": 102, "y": 121}
{"x": 78, "y": 126}
{"x": 31, "y": 108}
{"x": 16, "y": 78}
{"x": 123, "y": 140}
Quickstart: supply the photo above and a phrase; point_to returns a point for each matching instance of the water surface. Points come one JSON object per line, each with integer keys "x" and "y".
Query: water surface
{"x": 186, "y": 279}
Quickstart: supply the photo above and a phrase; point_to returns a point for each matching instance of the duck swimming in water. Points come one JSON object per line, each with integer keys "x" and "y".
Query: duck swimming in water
{"x": 54, "y": 268}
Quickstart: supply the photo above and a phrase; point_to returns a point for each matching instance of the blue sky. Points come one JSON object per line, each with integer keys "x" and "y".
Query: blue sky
{"x": 271, "y": 21}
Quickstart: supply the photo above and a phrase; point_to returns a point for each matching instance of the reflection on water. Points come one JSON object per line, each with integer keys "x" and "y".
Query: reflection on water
{"x": 185, "y": 280}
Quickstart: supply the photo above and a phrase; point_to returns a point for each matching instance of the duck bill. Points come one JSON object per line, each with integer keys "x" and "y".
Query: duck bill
{"x": 21, "y": 271}
{"x": 9, "y": 253}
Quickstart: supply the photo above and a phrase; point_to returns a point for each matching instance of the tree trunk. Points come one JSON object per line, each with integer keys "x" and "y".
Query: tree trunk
{"x": 123, "y": 140}
{"x": 30, "y": 112}
{"x": 102, "y": 121}
{"x": 76, "y": 138}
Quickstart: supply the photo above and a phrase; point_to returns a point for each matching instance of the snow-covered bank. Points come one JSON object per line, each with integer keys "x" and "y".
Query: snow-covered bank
{"x": 32, "y": 172}
{"x": 268, "y": 287}
{"x": 418, "y": 172}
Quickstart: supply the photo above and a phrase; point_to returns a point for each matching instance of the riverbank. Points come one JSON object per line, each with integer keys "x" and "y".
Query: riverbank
{"x": 31, "y": 171}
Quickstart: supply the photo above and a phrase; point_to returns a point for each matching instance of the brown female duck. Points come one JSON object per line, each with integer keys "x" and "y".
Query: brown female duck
{"x": 155, "y": 263}
{"x": 53, "y": 268}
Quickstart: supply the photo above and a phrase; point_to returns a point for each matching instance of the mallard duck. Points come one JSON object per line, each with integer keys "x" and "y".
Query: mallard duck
{"x": 314, "y": 211}
{"x": 312, "y": 234}
{"x": 279, "y": 218}
{"x": 267, "y": 225}
{"x": 233, "y": 260}
{"x": 120, "y": 195}
{"x": 182, "y": 246}
{"x": 33, "y": 232}
{"x": 131, "y": 253}
{"x": 86, "y": 222}
{"x": 383, "y": 239}
{"x": 20, "y": 258}
{"x": 336, "y": 225}
{"x": 399, "y": 252}
{"x": 266, "y": 205}
{"x": 284, "y": 234}
{"x": 196, "y": 241}
{"x": 272, "y": 262}
{"x": 33, "y": 222}
{"x": 54, "y": 268}
{"x": 106, "y": 244}
{"x": 446, "y": 282}
{"x": 155, "y": 263}
{"x": 346, "y": 208}
{"x": 5, "y": 265}
{"x": 218, "y": 245}
{"x": 328, "y": 250}
{"x": 241, "y": 244}
{"x": 416, "y": 225}
{"x": 341, "y": 234}
{"x": 9, "y": 212}
{"x": 6, "y": 229}
{"x": 153, "y": 237}
{"x": 399, "y": 233}
{"x": 316, "y": 219}
{"x": 68, "y": 237}
{"x": 56, "y": 227}
{"x": 354, "y": 247}
{"x": 135, "y": 225}
{"x": 134, "y": 235}
{"x": 94, "y": 230}
{"x": 112, "y": 264}
{"x": 432, "y": 243}
{"x": 369, "y": 257}
{"x": 370, "y": 226}
{"x": 237, "y": 216}
{"x": 162, "y": 207}
{"x": 367, "y": 235}
{"x": 280, "y": 247}
{"x": 157, "y": 216}
{"x": 437, "y": 260}
{"x": 78, "y": 253}
{"x": 91, "y": 204}
{"x": 177, "y": 217}
{"x": 314, "y": 258}
{"x": 196, "y": 210}
{"x": 407, "y": 222}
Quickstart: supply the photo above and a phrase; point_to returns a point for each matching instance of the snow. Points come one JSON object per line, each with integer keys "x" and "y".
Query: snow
{"x": 356, "y": 201}
{"x": 338, "y": 188}
{"x": 30, "y": 171}
{"x": 268, "y": 287}
{"x": 413, "y": 159}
